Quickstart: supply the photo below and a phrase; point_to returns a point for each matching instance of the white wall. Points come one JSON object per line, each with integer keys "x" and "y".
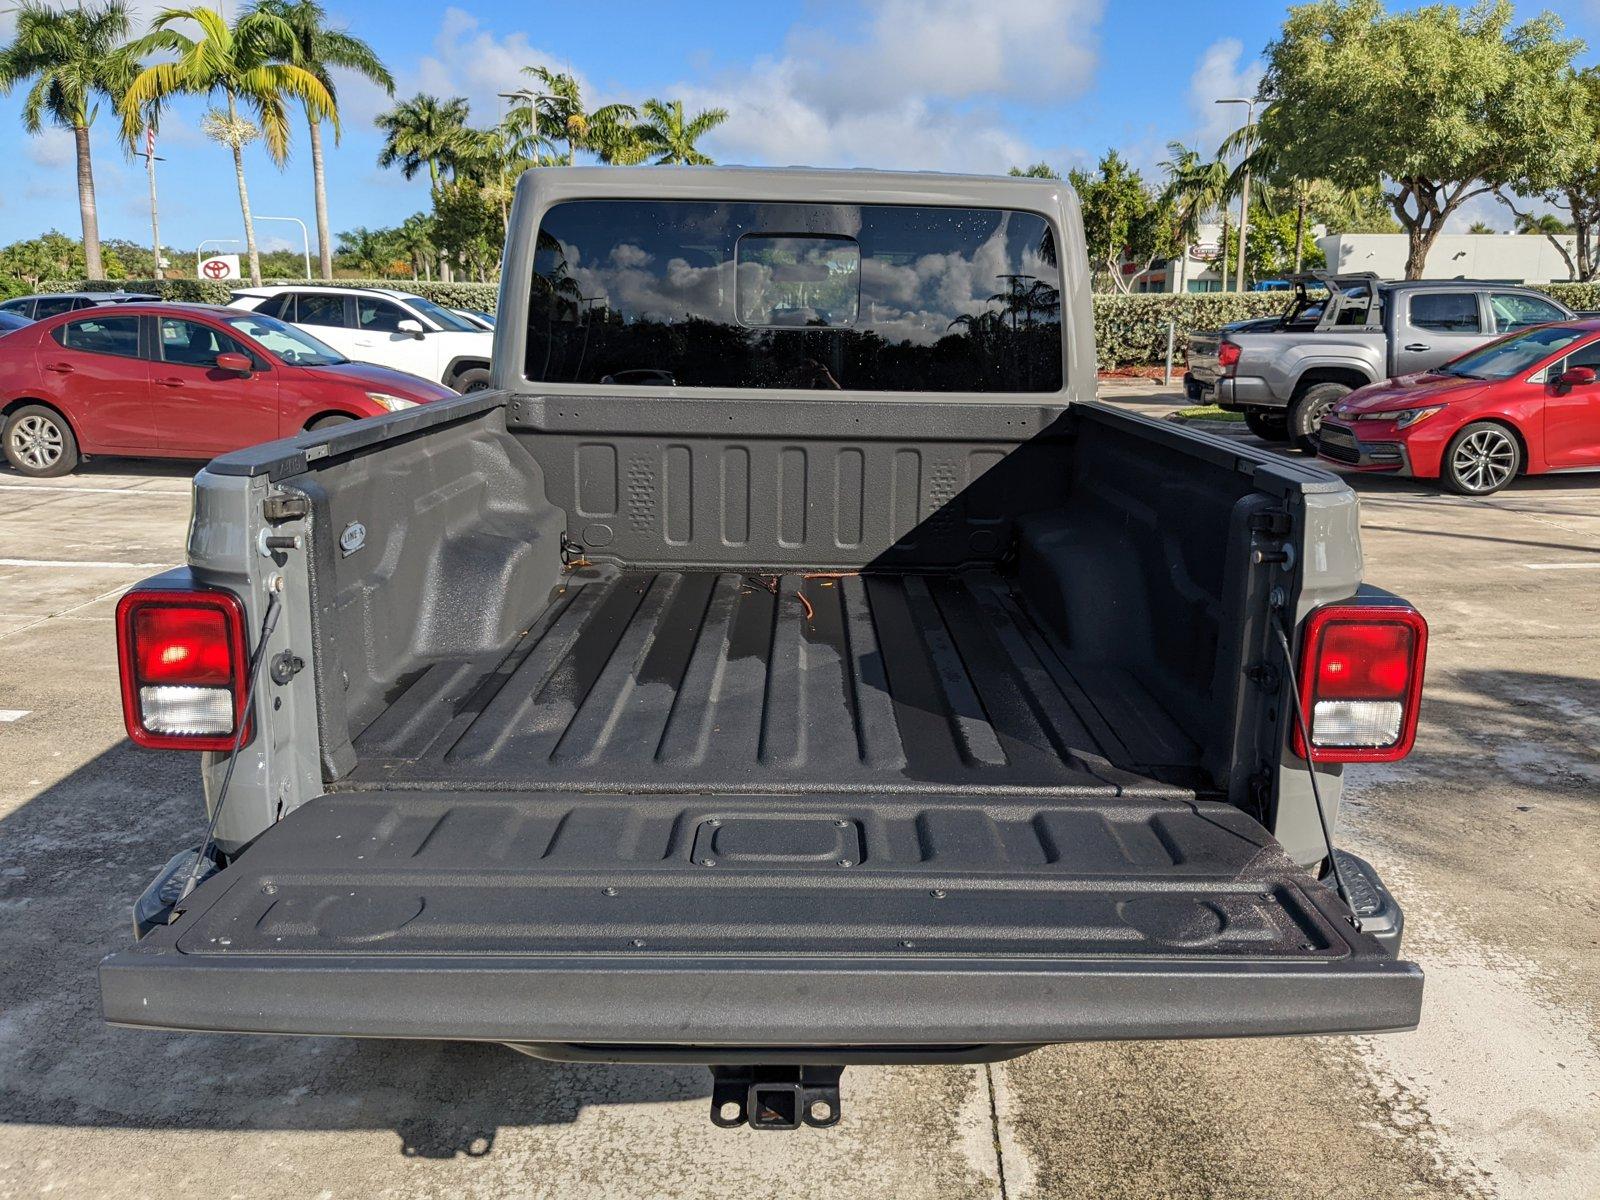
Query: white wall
{"x": 1524, "y": 258}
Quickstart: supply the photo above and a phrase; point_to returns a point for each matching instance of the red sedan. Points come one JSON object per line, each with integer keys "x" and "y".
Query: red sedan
{"x": 177, "y": 381}
{"x": 1523, "y": 405}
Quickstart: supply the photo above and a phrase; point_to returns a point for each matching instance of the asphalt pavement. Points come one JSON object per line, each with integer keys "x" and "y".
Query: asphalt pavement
{"x": 1487, "y": 834}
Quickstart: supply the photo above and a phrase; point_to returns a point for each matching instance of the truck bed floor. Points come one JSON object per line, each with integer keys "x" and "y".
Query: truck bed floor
{"x": 723, "y": 682}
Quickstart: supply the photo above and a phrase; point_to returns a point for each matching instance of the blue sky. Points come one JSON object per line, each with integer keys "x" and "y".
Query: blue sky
{"x": 936, "y": 84}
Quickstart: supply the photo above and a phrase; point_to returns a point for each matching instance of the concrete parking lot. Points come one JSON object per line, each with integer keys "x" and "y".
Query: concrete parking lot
{"x": 1487, "y": 834}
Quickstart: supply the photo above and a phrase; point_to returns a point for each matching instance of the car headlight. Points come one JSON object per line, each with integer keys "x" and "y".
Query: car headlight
{"x": 392, "y": 403}
{"x": 1414, "y": 416}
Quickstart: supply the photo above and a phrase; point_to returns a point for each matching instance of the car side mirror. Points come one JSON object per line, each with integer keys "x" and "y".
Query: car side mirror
{"x": 240, "y": 363}
{"x": 407, "y": 325}
{"x": 1576, "y": 377}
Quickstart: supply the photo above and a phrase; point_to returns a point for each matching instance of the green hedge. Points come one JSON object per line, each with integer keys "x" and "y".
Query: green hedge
{"x": 1132, "y": 330}
{"x": 1580, "y": 297}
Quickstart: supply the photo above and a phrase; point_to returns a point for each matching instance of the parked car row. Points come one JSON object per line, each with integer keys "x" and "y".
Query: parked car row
{"x": 122, "y": 373}
{"x": 178, "y": 381}
{"x": 1471, "y": 383}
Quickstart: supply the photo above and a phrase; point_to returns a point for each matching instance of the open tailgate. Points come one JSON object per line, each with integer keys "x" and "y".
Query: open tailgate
{"x": 762, "y": 921}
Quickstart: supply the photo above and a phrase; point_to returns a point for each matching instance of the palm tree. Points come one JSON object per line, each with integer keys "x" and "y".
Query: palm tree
{"x": 242, "y": 62}
{"x": 320, "y": 50}
{"x": 672, "y": 137}
{"x": 554, "y": 116}
{"x": 74, "y": 56}
{"x": 1481, "y": 227}
{"x": 1547, "y": 224}
{"x": 424, "y": 131}
{"x": 1195, "y": 189}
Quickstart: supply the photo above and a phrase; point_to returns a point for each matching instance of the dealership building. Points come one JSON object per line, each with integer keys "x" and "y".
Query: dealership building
{"x": 1500, "y": 257}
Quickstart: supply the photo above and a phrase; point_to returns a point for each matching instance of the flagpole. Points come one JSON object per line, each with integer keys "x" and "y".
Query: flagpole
{"x": 150, "y": 161}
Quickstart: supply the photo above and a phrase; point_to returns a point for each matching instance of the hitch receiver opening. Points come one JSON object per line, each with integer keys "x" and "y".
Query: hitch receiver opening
{"x": 775, "y": 1097}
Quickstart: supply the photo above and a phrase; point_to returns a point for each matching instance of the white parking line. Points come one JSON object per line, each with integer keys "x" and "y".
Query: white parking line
{"x": 1573, "y": 566}
{"x": 74, "y": 562}
{"x": 92, "y": 491}
{"x": 13, "y": 714}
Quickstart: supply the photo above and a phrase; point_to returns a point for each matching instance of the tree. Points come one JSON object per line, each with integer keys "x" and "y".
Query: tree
{"x": 321, "y": 50}
{"x": 242, "y": 62}
{"x": 1196, "y": 187}
{"x": 1039, "y": 170}
{"x": 554, "y": 116}
{"x": 1272, "y": 251}
{"x": 671, "y": 136}
{"x": 1575, "y": 191}
{"x": 1481, "y": 227}
{"x": 74, "y": 56}
{"x": 1442, "y": 104}
{"x": 373, "y": 252}
{"x": 424, "y": 131}
{"x": 1122, "y": 219}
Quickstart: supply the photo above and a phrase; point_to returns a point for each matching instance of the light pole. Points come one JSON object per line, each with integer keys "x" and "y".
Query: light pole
{"x": 151, "y": 158}
{"x": 305, "y": 237}
{"x": 1244, "y": 189}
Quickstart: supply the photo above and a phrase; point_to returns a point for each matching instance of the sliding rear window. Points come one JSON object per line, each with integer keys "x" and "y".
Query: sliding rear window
{"x": 820, "y": 296}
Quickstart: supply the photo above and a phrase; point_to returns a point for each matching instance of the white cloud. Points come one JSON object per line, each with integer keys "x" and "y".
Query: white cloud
{"x": 1220, "y": 75}
{"x": 913, "y": 85}
{"x": 469, "y": 60}
{"x": 51, "y": 148}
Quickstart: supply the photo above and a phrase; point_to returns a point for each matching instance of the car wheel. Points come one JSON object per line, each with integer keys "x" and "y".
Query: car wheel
{"x": 39, "y": 442}
{"x": 475, "y": 380}
{"x": 1481, "y": 459}
{"x": 329, "y": 422}
{"x": 1268, "y": 426}
{"x": 1305, "y": 417}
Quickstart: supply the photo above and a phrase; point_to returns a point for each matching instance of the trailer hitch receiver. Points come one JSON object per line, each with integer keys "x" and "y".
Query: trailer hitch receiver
{"x": 775, "y": 1097}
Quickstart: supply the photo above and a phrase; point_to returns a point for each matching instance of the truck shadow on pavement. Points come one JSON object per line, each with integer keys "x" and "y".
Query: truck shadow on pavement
{"x": 72, "y": 859}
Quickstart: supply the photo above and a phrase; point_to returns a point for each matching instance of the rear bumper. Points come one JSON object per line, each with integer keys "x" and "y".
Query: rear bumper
{"x": 794, "y": 1002}
{"x": 1232, "y": 392}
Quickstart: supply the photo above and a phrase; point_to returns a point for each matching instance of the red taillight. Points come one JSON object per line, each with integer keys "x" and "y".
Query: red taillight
{"x": 1361, "y": 682}
{"x": 1227, "y": 354}
{"x": 183, "y": 662}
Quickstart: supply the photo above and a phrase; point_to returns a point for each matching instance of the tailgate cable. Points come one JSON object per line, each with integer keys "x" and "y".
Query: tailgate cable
{"x": 1305, "y": 737}
{"x": 269, "y": 622}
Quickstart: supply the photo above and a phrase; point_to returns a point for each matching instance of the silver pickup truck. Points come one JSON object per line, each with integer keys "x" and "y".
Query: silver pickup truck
{"x": 866, "y": 694}
{"x": 1342, "y": 332}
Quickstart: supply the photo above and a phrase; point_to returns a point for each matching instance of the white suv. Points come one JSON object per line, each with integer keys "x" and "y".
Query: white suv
{"x": 377, "y": 325}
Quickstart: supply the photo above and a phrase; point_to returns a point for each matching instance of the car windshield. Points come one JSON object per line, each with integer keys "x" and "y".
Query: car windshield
{"x": 1512, "y": 355}
{"x": 286, "y": 342}
{"x": 442, "y": 317}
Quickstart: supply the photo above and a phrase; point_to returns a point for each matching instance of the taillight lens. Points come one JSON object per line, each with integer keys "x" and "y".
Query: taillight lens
{"x": 1361, "y": 682}
{"x": 1227, "y": 354}
{"x": 183, "y": 663}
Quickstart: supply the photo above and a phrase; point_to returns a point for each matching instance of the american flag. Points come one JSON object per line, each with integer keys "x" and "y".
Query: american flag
{"x": 150, "y": 140}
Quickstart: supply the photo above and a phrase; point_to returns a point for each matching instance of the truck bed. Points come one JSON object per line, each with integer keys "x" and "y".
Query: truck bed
{"x": 713, "y": 681}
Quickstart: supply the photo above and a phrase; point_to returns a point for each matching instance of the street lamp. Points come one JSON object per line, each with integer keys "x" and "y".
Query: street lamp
{"x": 1244, "y": 190}
{"x": 305, "y": 238}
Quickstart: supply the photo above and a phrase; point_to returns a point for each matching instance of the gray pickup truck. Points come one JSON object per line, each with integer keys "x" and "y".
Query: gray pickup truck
{"x": 1342, "y": 332}
{"x": 867, "y": 694}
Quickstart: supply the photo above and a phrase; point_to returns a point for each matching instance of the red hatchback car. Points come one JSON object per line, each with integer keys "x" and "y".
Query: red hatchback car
{"x": 177, "y": 381}
{"x": 1526, "y": 404}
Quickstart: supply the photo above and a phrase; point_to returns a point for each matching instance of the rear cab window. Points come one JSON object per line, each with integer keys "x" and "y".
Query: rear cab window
{"x": 833, "y": 297}
{"x": 100, "y": 335}
{"x": 1446, "y": 312}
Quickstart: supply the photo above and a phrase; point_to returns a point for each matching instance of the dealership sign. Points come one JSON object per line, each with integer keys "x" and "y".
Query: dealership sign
{"x": 220, "y": 266}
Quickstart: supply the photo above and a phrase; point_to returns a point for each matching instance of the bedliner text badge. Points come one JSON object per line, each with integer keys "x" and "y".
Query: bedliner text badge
{"x": 353, "y": 538}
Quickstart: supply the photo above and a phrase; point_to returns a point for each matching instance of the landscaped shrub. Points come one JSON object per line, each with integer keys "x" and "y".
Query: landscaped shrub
{"x": 1132, "y": 330}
